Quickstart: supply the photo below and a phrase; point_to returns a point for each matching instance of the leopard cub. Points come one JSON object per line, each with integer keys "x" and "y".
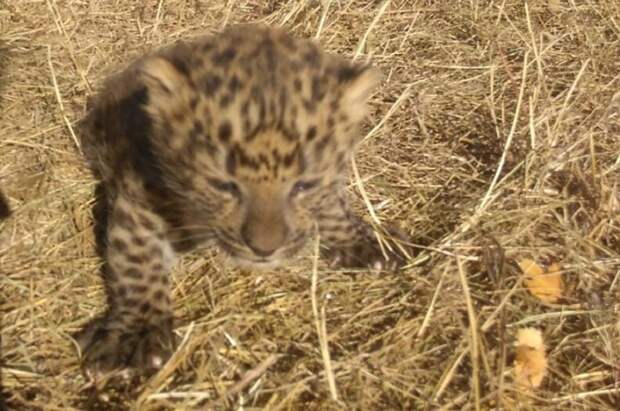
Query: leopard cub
{"x": 241, "y": 139}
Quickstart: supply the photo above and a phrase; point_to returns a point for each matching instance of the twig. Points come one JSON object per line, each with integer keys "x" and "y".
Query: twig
{"x": 565, "y": 104}
{"x": 323, "y": 18}
{"x": 473, "y": 327}
{"x": 59, "y": 99}
{"x": 320, "y": 323}
{"x": 372, "y": 25}
{"x": 449, "y": 374}
{"x": 390, "y": 112}
{"x": 246, "y": 380}
{"x": 61, "y": 29}
{"x": 511, "y": 134}
{"x": 582, "y": 395}
{"x": 158, "y": 379}
{"x": 431, "y": 307}
{"x": 360, "y": 187}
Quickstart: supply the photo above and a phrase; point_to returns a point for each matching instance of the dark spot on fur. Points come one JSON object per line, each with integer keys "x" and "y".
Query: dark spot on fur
{"x": 247, "y": 126}
{"x": 262, "y": 112}
{"x": 225, "y": 100}
{"x": 238, "y": 157}
{"x": 270, "y": 54}
{"x": 234, "y": 85}
{"x": 311, "y": 133}
{"x": 309, "y": 105}
{"x": 155, "y": 278}
{"x": 138, "y": 288}
{"x": 118, "y": 244}
{"x": 155, "y": 252}
{"x": 255, "y": 93}
{"x": 135, "y": 259}
{"x": 282, "y": 98}
{"x": 331, "y": 122}
{"x": 197, "y": 131}
{"x": 206, "y": 47}
{"x": 245, "y": 108}
{"x": 290, "y": 158}
{"x": 145, "y": 308}
{"x": 146, "y": 222}
{"x": 159, "y": 295}
{"x": 108, "y": 273}
{"x": 272, "y": 109}
{"x": 321, "y": 145}
{"x": 224, "y": 132}
{"x": 131, "y": 302}
{"x": 122, "y": 291}
{"x": 133, "y": 273}
{"x": 178, "y": 116}
{"x": 124, "y": 219}
{"x": 339, "y": 158}
{"x": 225, "y": 57}
{"x": 288, "y": 42}
{"x": 297, "y": 85}
{"x": 211, "y": 84}
{"x": 318, "y": 89}
{"x": 231, "y": 163}
{"x": 181, "y": 66}
{"x": 312, "y": 57}
{"x": 193, "y": 103}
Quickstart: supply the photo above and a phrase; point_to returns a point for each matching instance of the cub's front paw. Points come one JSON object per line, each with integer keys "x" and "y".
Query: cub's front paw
{"x": 366, "y": 252}
{"x": 111, "y": 345}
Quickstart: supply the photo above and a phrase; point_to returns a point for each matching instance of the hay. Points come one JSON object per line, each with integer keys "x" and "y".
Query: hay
{"x": 502, "y": 143}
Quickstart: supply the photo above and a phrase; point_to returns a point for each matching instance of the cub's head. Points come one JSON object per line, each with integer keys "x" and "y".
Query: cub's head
{"x": 255, "y": 129}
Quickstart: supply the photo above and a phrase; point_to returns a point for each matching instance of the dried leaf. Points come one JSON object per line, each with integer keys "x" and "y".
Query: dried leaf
{"x": 530, "y": 363}
{"x": 545, "y": 285}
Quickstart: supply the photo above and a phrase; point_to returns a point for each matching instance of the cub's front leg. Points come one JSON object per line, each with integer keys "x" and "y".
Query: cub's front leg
{"x": 136, "y": 330}
{"x": 350, "y": 242}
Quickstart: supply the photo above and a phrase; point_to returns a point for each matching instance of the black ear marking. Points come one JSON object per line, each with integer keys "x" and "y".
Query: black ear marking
{"x": 359, "y": 80}
{"x": 350, "y": 72}
{"x": 356, "y": 82}
{"x": 162, "y": 76}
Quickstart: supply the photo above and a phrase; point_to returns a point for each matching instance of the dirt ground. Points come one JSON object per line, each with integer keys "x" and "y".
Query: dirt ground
{"x": 494, "y": 138}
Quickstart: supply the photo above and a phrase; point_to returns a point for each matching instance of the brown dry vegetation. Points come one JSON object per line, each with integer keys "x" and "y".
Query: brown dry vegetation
{"x": 496, "y": 138}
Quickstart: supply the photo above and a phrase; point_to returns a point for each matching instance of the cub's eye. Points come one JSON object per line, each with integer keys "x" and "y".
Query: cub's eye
{"x": 303, "y": 186}
{"x": 225, "y": 186}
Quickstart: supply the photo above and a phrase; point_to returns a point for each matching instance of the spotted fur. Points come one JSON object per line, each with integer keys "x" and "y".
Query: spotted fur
{"x": 240, "y": 138}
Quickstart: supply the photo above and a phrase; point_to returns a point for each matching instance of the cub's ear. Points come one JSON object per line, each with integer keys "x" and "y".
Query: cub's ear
{"x": 163, "y": 80}
{"x": 357, "y": 82}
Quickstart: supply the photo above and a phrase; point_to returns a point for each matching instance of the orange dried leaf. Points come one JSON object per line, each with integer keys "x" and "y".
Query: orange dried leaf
{"x": 545, "y": 285}
{"x": 530, "y": 363}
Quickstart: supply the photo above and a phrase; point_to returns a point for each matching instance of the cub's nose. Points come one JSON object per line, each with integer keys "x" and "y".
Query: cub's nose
{"x": 259, "y": 252}
{"x": 265, "y": 236}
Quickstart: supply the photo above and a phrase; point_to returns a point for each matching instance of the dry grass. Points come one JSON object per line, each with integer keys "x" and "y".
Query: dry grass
{"x": 502, "y": 143}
